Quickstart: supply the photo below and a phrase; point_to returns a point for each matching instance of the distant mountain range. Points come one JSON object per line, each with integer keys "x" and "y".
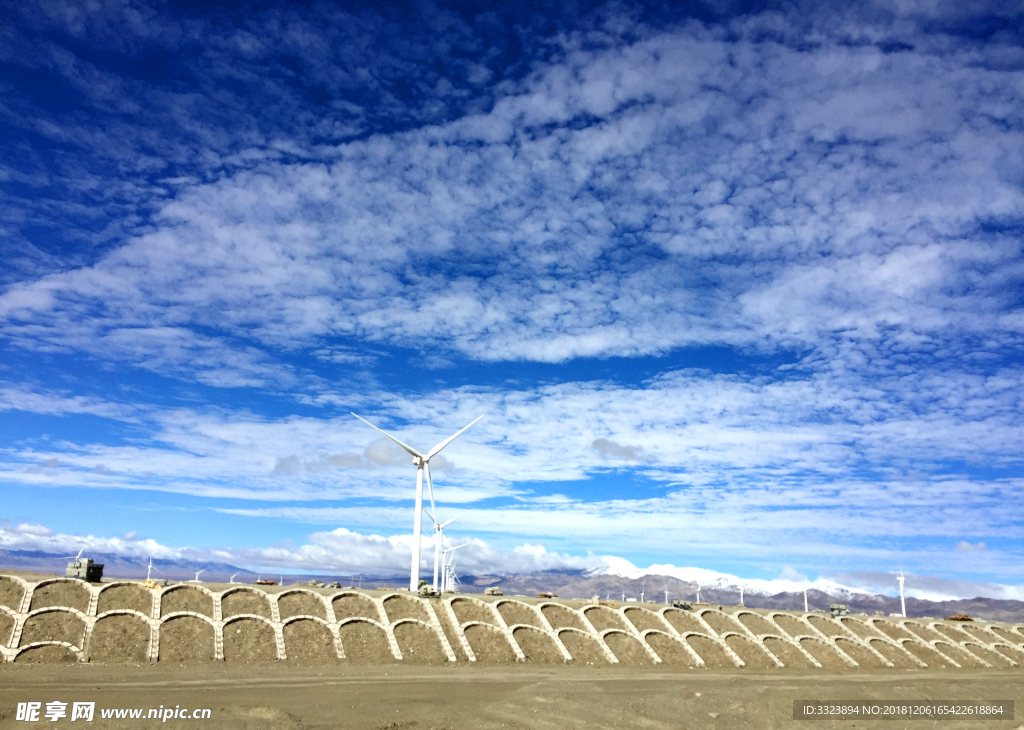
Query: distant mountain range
{"x": 653, "y": 587}
{"x": 121, "y": 566}
{"x": 618, "y": 583}
{"x": 115, "y": 566}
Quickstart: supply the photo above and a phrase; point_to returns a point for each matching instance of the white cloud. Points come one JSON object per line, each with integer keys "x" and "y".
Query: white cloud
{"x": 345, "y": 552}
{"x": 745, "y": 462}
{"x": 21, "y": 397}
{"x": 609, "y": 449}
{"x": 339, "y": 550}
{"x": 799, "y": 202}
{"x": 792, "y": 576}
{"x": 964, "y": 546}
{"x": 37, "y": 530}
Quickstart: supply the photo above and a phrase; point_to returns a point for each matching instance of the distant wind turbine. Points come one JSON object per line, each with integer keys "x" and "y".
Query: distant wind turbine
{"x": 453, "y": 578}
{"x": 232, "y": 578}
{"x": 150, "y": 569}
{"x": 446, "y": 584}
{"x": 438, "y": 538}
{"x": 422, "y": 462}
{"x": 741, "y": 594}
{"x": 699, "y": 586}
{"x": 903, "y": 603}
{"x": 197, "y": 574}
{"x": 805, "y": 597}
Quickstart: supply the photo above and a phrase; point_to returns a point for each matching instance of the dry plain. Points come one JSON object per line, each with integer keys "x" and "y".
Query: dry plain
{"x": 295, "y": 657}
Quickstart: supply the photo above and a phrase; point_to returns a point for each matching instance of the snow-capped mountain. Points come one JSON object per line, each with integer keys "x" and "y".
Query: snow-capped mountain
{"x": 712, "y": 580}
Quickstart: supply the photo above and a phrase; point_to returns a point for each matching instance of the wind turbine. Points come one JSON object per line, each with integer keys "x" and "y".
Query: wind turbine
{"x": 438, "y": 540}
{"x": 446, "y": 582}
{"x": 150, "y": 569}
{"x": 422, "y": 462}
{"x": 453, "y": 579}
{"x": 805, "y": 597}
{"x": 197, "y": 574}
{"x": 741, "y": 594}
{"x": 903, "y": 603}
{"x": 699, "y": 586}
{"x": 232, "y": 578}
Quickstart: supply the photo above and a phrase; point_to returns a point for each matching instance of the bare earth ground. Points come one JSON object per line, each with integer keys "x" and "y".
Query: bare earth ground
{"x": 470, "y": 697}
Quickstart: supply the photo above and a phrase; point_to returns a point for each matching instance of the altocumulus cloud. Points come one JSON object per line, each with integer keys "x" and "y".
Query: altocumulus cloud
{"x": 796, "y": 203}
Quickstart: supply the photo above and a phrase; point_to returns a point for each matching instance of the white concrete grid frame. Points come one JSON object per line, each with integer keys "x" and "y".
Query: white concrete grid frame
{"x": 982, "y": 644}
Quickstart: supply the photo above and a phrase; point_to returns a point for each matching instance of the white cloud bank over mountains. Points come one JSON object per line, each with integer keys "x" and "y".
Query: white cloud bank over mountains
{"x": 344, "y": 553}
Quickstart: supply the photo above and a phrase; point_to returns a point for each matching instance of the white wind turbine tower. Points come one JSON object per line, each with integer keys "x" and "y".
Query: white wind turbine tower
{"x": 453, "y": 578}
{"x": 454, "y": 584}
{"x": 446, "y": 581}
{"x": 438, "y": 541}
{"x": 232, "y": 578}
{"x": 699, "y": 586}
{"x": 903, "y": 603}
{"x": 805, "y": 597}
{"x": 196, "y": 579}
{"x": 422, "y": 462}
{"x": 150, "y": 569}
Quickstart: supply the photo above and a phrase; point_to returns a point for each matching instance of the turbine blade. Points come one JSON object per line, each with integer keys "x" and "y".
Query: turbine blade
{"x": 447, "y": 441}
{"x": 450, "y": 521}
{"x": 410, "y": 449}
{"x": 429, "y": 515}
{"x": 430, "y": 487}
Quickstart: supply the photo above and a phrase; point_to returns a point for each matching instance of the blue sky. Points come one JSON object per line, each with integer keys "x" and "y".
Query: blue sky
{"x": 736, "y": 287}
